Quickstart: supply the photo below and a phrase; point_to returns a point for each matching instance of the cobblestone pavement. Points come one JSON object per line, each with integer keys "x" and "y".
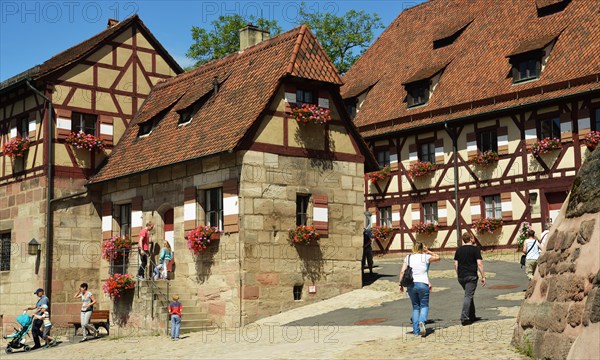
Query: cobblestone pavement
{"x": 371, "y": 322}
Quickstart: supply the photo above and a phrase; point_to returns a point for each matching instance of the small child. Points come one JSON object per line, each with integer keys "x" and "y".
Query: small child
{"x": 175, "y": 310}
{"x": 45, "y": 316}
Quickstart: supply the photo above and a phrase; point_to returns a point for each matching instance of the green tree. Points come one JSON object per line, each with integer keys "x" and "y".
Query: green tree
{"x": 345, "y": 37}
{"x": 224, "y": 37}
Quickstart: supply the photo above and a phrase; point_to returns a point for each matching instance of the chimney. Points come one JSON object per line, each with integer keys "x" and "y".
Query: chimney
{"x": 251, "y": 35}
{"x": 111, "y": 23}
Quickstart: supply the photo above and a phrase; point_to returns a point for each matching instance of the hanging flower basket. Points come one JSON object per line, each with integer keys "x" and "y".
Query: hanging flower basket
{"x": 545, "y": 146}
{"x": 304, "y": 235}
{"x": 523, "y": 234}
{"x": 487, "y": 225}
{"x": 116, "y": 248}
{"x": 116, "y": 284}
{"x": 201, "y": 237}
{"x": 382, "y": 233}
{"x": 592, "y": 139}
{"x": 16, "y": 147}
{"x": 485, "y": 159}
{"x": 425, "y": 228}
{"x": 421, "y": 168}
{"x": 310, "y": 113}
{"x": 380, "y": 174}
{"x": 85, "y": 141}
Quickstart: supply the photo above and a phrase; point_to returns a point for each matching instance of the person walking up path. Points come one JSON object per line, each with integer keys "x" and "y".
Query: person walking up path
{"x": 36, "y": 331}
{"x": 87, "y": 307}
{"x": 467, "y": 260}
{"x": 531, "y": 249}
{"x": 418, "y": 292}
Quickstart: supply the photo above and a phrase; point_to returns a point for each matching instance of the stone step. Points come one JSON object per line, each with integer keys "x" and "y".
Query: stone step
{"x": 187, "y": 303}
{"x": 195, "y": 323}
{"x": 194, "y": 315}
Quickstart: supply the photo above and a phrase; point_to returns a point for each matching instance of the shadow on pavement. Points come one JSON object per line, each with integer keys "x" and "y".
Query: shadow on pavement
{"x": 369, "y": 278}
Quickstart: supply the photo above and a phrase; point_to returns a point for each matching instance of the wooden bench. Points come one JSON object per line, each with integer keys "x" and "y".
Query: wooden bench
{"x": 100, "y": 318}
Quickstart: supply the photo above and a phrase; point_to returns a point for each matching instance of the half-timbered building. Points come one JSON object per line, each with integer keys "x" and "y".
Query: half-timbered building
{"x": 220, "y": 146}
{"x": 461, "y": 99}
{"x": 48, "y": 222}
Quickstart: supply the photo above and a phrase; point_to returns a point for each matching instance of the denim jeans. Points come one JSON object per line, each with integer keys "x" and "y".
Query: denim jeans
{"x": 419, "y": 297}
{"x": 175, "y": 325}
{"x": 469, "y": 284}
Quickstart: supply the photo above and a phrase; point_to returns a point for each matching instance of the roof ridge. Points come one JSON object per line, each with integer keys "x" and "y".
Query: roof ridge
{"x": 213, "y": 64}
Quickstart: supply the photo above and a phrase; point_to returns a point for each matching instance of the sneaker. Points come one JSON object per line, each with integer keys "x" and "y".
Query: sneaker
{"x": 139, "y": 277}
{"x": 82, "y": 340}
{"x": 53, "y": 343}
{"x": 97, "y": 334}
{"x": 422, "y": 330}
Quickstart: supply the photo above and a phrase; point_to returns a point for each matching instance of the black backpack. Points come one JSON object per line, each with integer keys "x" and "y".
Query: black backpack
{"x": 407, "y": 280}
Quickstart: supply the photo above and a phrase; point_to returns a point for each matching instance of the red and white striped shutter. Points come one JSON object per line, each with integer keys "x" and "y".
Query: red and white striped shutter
{"x": 107, "y": 129}
{"x": 137, "y": 217}
{"x": 189, "y": 208}
{"x": 13, "y": 129}
{"x": 566, "y": 127}
{"x": 107, "y": 220}
{"x": 396, "y": 216}
{"x": 502, "y": 140}
{"x": 321, "y": 214}
{"x": 393, "y": 159}
{"x": 442, "y": 214}
{"x": 413, "y": 155}
{"x": 231, "y": 208}
{"x": 507, "y": 211}
{"x": 32, "y": 124}
{"x": 439, "y": 151}
{"x": 169, "y": 227}
{"x": 415, "y": 212}
{"x": 583, "y": 122}
{"x": 475, "y": 208}
{"x": 471, "y": 145}
{"x": 530, "y": 132}
{"x": 63, "y": 123}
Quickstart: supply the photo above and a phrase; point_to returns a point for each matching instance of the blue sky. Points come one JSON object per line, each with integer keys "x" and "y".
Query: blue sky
{"x": 33, "y": 31}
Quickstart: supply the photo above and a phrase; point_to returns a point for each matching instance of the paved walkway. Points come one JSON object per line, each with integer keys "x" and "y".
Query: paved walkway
{"x": 372, "y": 322}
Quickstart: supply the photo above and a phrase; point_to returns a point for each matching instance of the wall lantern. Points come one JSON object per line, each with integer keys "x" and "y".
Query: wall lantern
{"x": 33, "y": 247}
{"x": 533, "y": 198}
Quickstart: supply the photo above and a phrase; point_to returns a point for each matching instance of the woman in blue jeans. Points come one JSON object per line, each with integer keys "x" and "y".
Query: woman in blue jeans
{"x": 418, "y": 292}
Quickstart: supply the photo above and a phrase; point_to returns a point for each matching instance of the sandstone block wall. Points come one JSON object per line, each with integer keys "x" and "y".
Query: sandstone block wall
{"x": 560, "y": 317}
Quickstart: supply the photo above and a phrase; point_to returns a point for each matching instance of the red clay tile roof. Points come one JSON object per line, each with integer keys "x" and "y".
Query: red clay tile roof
{"x": 251, "y": 79}
{"x": 88, "y": 46}
{"x": 478, "y": 78}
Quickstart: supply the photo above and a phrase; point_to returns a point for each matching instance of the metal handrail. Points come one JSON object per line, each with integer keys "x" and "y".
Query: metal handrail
{"x": 154, "y": 288}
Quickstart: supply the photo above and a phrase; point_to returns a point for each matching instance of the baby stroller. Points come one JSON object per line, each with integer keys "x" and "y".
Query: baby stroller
{"x": 18, "y": 337}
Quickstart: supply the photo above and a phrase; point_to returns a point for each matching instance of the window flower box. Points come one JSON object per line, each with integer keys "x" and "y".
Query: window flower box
{"x": 382, "y": 233}
{"x": 485, "y": 159}
{"x": 310, "y": 113}
{"x": 425, "y": 228}
{"x": 85, "y": 141}
{"x": 304, "y": 235}
{"x": 16, "y": 147}
{"x": 592, "y": 139}
{"x": 487, "y": 225}
{"x": 380, "y": 174}
{"x": 116, "y": 284}
{"x": 546, "y": 145}
{"x": 201, "y": 237}
{"x": 420, "y": 169}
{"x": 116, "y": 248}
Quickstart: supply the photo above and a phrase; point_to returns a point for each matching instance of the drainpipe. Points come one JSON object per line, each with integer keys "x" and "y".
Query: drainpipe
{"x": 49, "y": 194}
{"x": 453, "y": 134}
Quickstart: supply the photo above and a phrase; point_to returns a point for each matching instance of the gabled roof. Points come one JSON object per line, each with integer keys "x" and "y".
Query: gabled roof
{"x": 478, "y": 76}
{"x": 249, "y": 80}
{"x": 87, "y": 47}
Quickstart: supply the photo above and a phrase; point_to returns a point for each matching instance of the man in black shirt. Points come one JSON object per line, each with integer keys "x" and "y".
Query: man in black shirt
{"x": 467, "y": 260}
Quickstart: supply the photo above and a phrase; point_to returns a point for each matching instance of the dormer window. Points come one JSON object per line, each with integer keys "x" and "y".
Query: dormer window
{"x": 449, "y": 35}
{"x": 305, "y": 97}
{"x": 146, "y": 128}
{"x": 526, "y": 66}
{"x": 418, "y": 93}
{"x": 185, "y": 117}
{"x": 549, "y": 7}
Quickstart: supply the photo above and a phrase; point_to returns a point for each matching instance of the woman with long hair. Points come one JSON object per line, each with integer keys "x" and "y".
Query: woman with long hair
{"x": 418, "y": 292}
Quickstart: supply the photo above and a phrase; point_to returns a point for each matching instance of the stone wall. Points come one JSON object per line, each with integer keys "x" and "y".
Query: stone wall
{"x": 560, "y": 317}
{"x": 271, "y": 267}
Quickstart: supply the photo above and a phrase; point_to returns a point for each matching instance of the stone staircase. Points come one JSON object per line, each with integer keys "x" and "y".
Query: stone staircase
{"x": 192, "y": 317}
